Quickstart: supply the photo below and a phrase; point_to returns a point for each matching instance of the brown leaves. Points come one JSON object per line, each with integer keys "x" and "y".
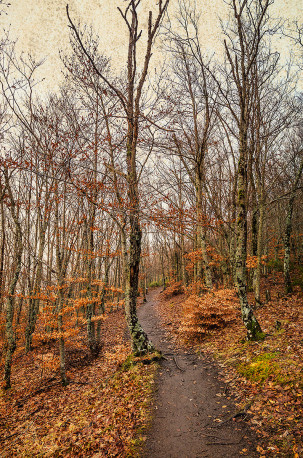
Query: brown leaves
{"x": 203, "y": 314}
{"x": 174, "y": 289}
{"x": 100, "y": 411}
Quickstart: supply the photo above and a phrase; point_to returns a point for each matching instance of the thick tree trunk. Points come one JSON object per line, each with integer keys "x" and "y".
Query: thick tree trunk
{"x": 10, "y": 308}
{"x": 2, "y": 250}
{"x": 90, "y": 308}
{"x": 257, "y": 278}
{"x": 287, "y": 235}
{"x": 33, "y": 309}
{"x": 61, "y": 268}
{"x": 140, "y": 342}
{"x": 253, "y": 328}
{"x": 288, "y": 228}
{"x": 10, "y": 303}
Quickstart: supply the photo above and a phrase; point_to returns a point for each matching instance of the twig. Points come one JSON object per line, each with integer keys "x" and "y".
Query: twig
{"x": 180, "y": 368}
{"x": 2, "y": 439}
{"x": 241, "y": 414}
{"x": 223, "y": 443}
{"x": 78, "y": 383}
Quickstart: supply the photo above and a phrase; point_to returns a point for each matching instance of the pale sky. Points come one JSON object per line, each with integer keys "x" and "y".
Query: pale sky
{"x": 41, "y": 26}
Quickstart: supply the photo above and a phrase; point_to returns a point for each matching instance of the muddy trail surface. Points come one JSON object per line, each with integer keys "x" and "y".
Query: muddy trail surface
{"x": 193, "y": 411}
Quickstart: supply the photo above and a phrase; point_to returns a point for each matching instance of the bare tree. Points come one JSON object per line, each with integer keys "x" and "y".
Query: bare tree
{"x": 242, "y": 45}
{"x": 130, "y": 99}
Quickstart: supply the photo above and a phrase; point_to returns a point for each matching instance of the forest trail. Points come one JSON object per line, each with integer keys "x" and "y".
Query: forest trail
{"x": 191, "y": 406}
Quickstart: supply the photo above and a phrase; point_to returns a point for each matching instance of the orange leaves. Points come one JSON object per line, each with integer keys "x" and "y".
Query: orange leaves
{"x": 195, "y": 288}
{"x": 252, "y": 261}
{"x": 203, "y": 314}
{"x": 114, "y": 289}
{"x": 48, "y": 362}
{"x": 193, "y": 257}
{"x": 173, "y": 290}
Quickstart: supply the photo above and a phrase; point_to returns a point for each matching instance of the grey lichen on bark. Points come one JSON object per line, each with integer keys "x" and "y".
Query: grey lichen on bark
{"x": 288, "y": 230}
{"x": 141, "y": 345}
{"x": 253, "y": 328}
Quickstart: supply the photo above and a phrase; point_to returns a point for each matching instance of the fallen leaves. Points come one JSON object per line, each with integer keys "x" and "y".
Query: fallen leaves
{"x": 101, "y": 412}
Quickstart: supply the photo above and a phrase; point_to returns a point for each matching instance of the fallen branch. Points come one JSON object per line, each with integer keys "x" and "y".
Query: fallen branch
{"x": 240, "y": 414}
{"x": 176, "y": 362}
{"x": 223, "y": 443}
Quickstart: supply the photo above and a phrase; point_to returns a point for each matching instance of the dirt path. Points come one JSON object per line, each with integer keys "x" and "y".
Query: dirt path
{"x": 189, "y": 404}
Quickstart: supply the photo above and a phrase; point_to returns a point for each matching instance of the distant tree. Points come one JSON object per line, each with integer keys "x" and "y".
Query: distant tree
{"x": 193, "y": 115}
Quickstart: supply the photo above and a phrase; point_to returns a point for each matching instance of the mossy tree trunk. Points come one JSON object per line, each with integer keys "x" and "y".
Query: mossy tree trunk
{"x": 242, "y": 47}
{"x": 257, "y": 273}
{"x": 10, "y": 302}
{"x": 34, "y": 304}
{"x": 253, "y": 328}
{"x": 61, "y": 265}
{"x": 288, "y": 230}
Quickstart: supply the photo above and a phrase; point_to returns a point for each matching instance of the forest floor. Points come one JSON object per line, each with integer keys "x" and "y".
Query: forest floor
{"x": 217, "y": 397}
{"x": 102, "y": 411}
{"x": 192, "y": 413}
{"x": 264, "y": 378}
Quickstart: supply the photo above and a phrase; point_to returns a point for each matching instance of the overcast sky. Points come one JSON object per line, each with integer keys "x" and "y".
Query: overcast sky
{"x": 41, "y": 26}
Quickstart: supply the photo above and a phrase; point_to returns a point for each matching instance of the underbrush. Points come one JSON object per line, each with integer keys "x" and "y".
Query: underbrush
{"x": 174, "y": 289}
{"x": 261, "y": 368}
{"x": 205, "y": 314}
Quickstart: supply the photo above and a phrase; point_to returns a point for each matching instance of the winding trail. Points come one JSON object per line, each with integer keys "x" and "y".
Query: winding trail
{"x": 192, "y": 411}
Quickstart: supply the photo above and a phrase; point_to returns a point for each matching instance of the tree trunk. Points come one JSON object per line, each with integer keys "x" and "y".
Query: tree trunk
{"x": 10, "y": 303}
{"x": 61, "y": 338}
{"x": 253, "y": 328}
{"x": 201, "y": 235}
{"x": 34, "y": 304}
{"x": 288, "y": 229}
{"x": 140, "y": 342}
{"x": 257, "y": 278}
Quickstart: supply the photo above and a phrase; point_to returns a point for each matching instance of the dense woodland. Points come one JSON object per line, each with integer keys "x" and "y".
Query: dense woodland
{"x": 188, "y": 175}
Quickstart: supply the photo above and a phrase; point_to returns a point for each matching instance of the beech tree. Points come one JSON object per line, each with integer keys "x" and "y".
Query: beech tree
{"x": 17, "y": 262}
{"x": 242, "y": 46}
{"x": 297, "y": 162}
{"x": 130, "y": 99}
{"x": 192, "y": 174}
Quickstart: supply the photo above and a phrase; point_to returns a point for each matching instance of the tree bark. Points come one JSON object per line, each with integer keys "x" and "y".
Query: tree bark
{"x": 253, "y": 328}
{"x": 287, "y": 235}
{"x": 10, "y": 303}
{"x": 201, "y": 236}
